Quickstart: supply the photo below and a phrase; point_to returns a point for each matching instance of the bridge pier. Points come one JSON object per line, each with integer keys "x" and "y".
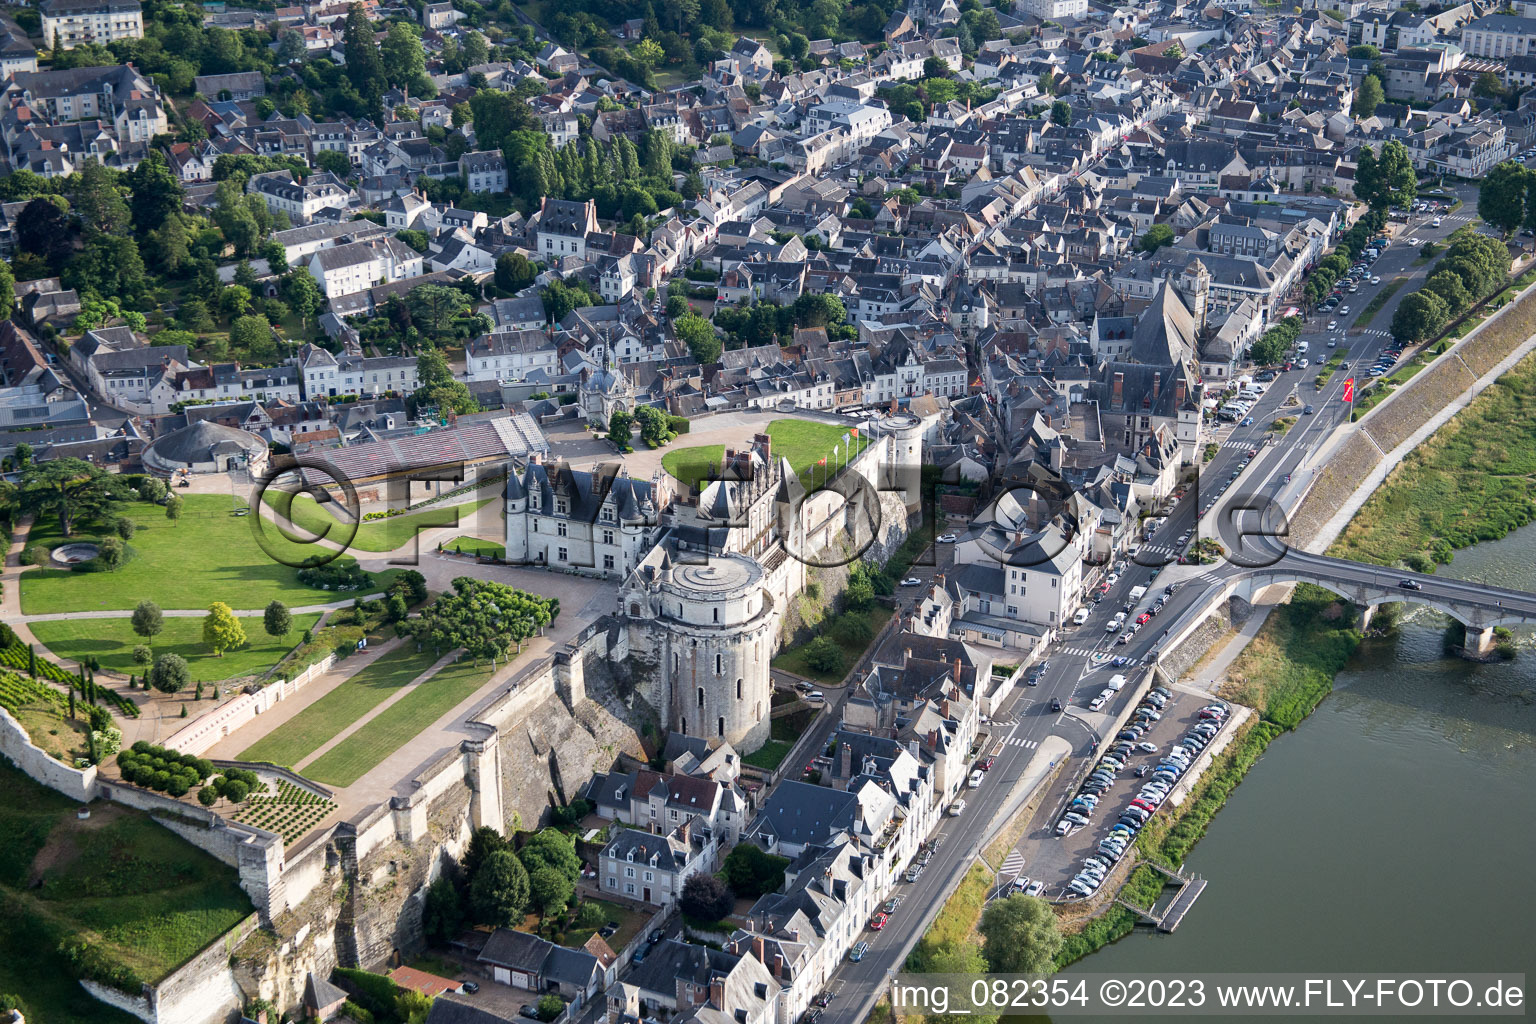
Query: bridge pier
{"x": 1479, "y": 640}
{"x": 1366, "y": 615}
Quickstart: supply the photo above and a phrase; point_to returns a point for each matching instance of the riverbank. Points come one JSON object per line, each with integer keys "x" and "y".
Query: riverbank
{"x": 1473, "y": 480}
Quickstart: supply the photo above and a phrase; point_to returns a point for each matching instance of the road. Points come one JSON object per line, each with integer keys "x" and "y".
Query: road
{"x": 1075, "y": 675}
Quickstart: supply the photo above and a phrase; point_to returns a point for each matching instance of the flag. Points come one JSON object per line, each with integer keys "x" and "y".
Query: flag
{"x": 1349, "y": 390}
{"x": 854, "y": 431}
{"x": 821, "y": 462}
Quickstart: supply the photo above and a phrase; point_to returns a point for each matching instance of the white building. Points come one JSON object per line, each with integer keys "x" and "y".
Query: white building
{"x": 70, "y": 23}
{"x": 347, "y": 269}
{"x": 300, "y": 201}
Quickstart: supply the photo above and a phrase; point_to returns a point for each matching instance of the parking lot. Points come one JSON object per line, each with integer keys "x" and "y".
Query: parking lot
{"x": 1056, "y": 860}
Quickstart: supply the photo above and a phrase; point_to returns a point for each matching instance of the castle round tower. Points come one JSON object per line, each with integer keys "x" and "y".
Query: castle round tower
{"x": 903, "y": 455}
{"x": 712, "y": 628}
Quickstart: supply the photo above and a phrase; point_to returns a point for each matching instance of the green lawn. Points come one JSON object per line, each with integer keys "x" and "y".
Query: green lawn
{"x": 348, "y": 702}
{"x": 145, "y": 898}
{"x": 803, "y": 442}
{"x": 768, "y": 756}
{"x": 112, "y": 641}
{"x": 372, "y": 535}
{"x": 359, "y": 753}
{"x": 476, "y": 545}
{"x": 210, "y": 555}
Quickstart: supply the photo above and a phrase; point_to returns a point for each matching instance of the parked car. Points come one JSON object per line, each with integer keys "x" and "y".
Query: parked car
{"x": 857, "y": 952}
{"x": 946, "y": 538}
{"x": 911, "y": 581}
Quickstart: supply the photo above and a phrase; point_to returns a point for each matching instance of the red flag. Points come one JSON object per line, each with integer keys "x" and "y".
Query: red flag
{"x": 1349, "y": 390}
{"x": 854, "y": 431}
{"x": 821, "y": 462}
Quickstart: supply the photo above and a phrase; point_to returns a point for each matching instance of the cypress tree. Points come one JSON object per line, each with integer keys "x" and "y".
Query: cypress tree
{"x": 32, "y": 660}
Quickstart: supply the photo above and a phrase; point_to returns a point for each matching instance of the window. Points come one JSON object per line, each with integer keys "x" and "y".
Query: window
{"x": 629, "y": 872}
{"x": 701, "y": 697}
{"x": 720, "y": 725}
{"x": 607, "y": 536}
{"x": 719, "y": 663}
{"x": 650, "y": 876}
{"x": 607, "y": 561}
{"x": 629, "y": 887}
{"x": 563, "y": 554}
{"x": 613, "y": 883}
{"x": 738, "y": 689}
{"x": 560, "y": 528}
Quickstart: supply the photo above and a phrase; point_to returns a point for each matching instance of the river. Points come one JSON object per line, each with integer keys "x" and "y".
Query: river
{"x": 1391, "y": 831}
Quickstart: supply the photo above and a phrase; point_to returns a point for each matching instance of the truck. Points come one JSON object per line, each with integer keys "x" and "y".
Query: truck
{"x": 1137, "y": 593}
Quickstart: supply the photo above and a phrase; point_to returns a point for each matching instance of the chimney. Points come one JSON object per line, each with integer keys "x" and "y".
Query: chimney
{"x": 1119, "y": 394}
{"x": 757, "y": 950}
{"x": 685, "y": 830}
{"x": 1178, "y": 390}
{"x": 844, "y": 761}
{"x": 1157, "y": 383}
{"x": 717, "y": 992}
{"x": 908, "y": 657}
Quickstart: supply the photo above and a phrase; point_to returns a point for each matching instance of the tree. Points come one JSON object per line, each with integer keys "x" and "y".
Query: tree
{"x": 498, "y": 893}
{"x": 818, "y": 309}
{"x": 173, "y": 508}
{"x": 70, "y": 489}
{"x": 1061, "y": 113}
{"x": 436, "y": 386}
{"x": 147, "y": 620}
{"x": 364, "y": 67}
{"x": 42, "y": 228}
{"x": 483, "y": 842}
{"x": 156, "y": 191}
{"x": 1019, "y": 936}
{"x": 7, "y": 291}
{"x": 442, "y": 912}
{"x": 252, "y": 335}
{"x": 99, "y": 201}
{"x": 699, "y": 335}
{"x": 170, "y": 673}
{"x": 706, "y": 898}
{"x": 302, "y": 293}
{"x": 824, "y": 656}
{"x": 1386, "y": 179}
{"x": 1448, "y": 285}
{"x": 655, "y": 428}
{"x": 221, "y": 630}
{"x": 648, "y": 53}
{"x": 550, "y": 1006}
{"x": 514, "y": 272}
{"x": 1488, "y": 86}
{"x": 620, "y": 428}
{"x": 1370, "y": 96}
{"x": 402, "y": 53}
{"x": 1156, "y": 236}
{"x": 109, "y": 552}
{"x": 752, "y": 872}
{"x": 550, "y": 891}
{"x": 550, "y": 848}
{"x": 142, "y": 655}
{"x": 1501, "y": 196}
{"x": 277, "y": 620}
{"x": 1419, "y": 316}
{"x": 935, "y": 67}
{"x": 486, "y": 618}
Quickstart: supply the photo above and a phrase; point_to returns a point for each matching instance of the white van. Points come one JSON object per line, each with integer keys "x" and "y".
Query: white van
{"x": 1136, "y": 594}
{"x": 957, "y": 808}
{"x": 1115, "y": 623}
{"x": 1117, "y": 682}
{"x": 975, "y": 780}
{"x": 1081, "y": 617}
{"x": 1302, "y": 346}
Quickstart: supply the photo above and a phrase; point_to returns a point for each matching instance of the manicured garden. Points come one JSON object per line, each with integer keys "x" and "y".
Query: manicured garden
{"x": 386, "y": 534}
{"x": 290, "y": 812}
{"x": 208, "y": 555}
{"x": 803, "y": 442}
{"x": 111, "y": 641}
{"x": 117, "y": 898}
{"x": 392, "y": 728}
{"x": 302, "y": 734}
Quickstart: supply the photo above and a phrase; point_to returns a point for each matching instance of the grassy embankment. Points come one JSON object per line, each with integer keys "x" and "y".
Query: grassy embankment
{"x": 1471, "y": 481}
{"x": 132, "y": 900}
{"x": 1381, "y": 299}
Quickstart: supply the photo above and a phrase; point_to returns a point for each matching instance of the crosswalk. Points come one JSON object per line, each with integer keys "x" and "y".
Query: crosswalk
{"x": 1019, "y": 741}
{"x": 1457, "y": 218}
{"x": 1376, "y": 332}
{"x": 1081, "y": 652}
{"x": 1012, "y": 864}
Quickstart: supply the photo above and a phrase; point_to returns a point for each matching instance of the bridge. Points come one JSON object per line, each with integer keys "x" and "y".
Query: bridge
{"x": 1477, "y": 606}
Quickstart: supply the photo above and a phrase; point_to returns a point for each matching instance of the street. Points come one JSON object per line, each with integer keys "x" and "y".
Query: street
{"x": 1205, "y": 511}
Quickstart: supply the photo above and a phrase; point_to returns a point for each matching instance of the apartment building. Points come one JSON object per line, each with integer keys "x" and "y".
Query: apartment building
{"x": 70, "y": 23}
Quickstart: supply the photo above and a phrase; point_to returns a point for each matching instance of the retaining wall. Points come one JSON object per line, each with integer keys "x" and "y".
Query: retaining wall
{"x": 213, "y": 725}
{"x": 75, "y": 783}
